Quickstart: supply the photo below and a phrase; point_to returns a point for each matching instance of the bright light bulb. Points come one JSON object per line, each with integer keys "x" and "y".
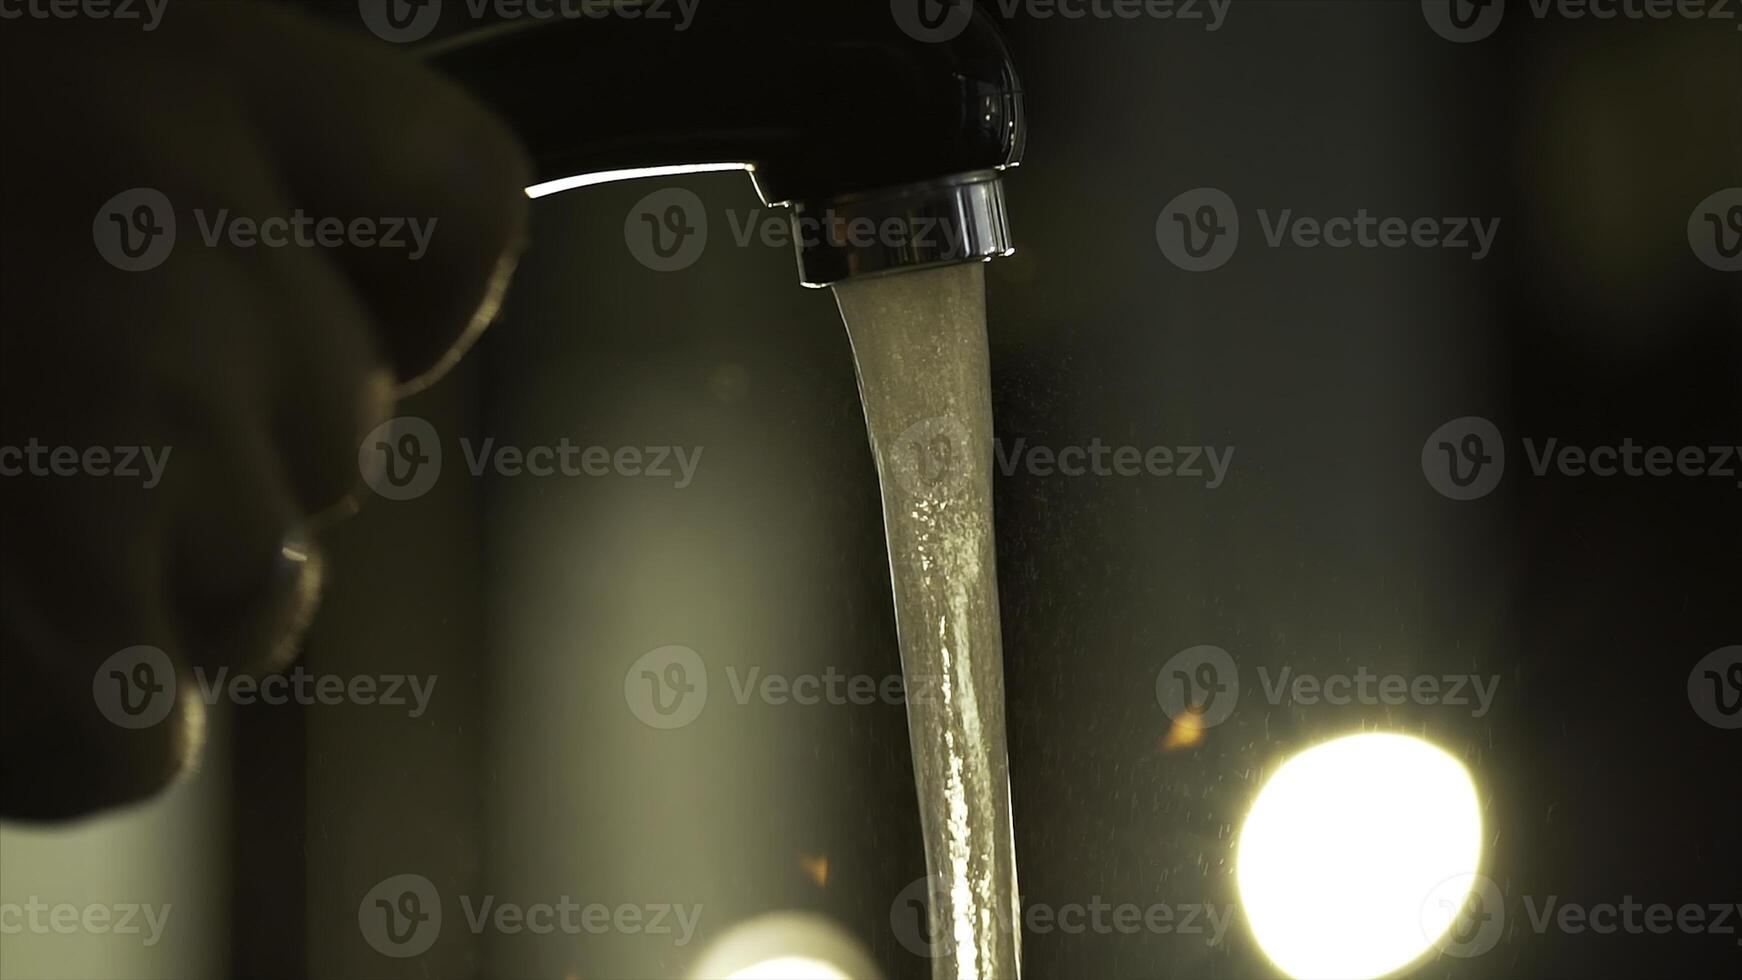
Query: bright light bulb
{"x": 1344, "y": 859}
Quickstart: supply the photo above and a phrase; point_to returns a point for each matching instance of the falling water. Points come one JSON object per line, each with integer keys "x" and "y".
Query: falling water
{"x": 919, "y": 341}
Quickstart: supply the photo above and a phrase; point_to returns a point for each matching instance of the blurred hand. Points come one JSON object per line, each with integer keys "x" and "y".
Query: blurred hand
{"x": 241, "y": 367}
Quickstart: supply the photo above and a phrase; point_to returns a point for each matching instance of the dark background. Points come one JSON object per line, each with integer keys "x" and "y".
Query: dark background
{"x": 1326, "y": 549}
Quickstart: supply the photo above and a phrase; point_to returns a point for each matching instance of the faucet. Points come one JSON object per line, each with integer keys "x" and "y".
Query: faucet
{"x": 843, "y": 116}
{"x": 875, "y": 124}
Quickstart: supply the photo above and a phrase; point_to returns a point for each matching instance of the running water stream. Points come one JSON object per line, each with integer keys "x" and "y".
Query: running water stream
{"x": 919, "y": 343}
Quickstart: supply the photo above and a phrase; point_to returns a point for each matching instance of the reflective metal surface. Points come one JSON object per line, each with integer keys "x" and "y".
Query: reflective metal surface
{"x": 942, "y": 222}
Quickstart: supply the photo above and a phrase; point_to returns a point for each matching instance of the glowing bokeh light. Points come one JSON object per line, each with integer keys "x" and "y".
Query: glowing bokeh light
{"x": 790, "y": 968}
{"x": 1343, "y": 860}
{"x": 785, "y": 946}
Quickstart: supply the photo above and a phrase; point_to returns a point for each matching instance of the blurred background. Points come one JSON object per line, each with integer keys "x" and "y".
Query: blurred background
{"x": 1326, "y": 550}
